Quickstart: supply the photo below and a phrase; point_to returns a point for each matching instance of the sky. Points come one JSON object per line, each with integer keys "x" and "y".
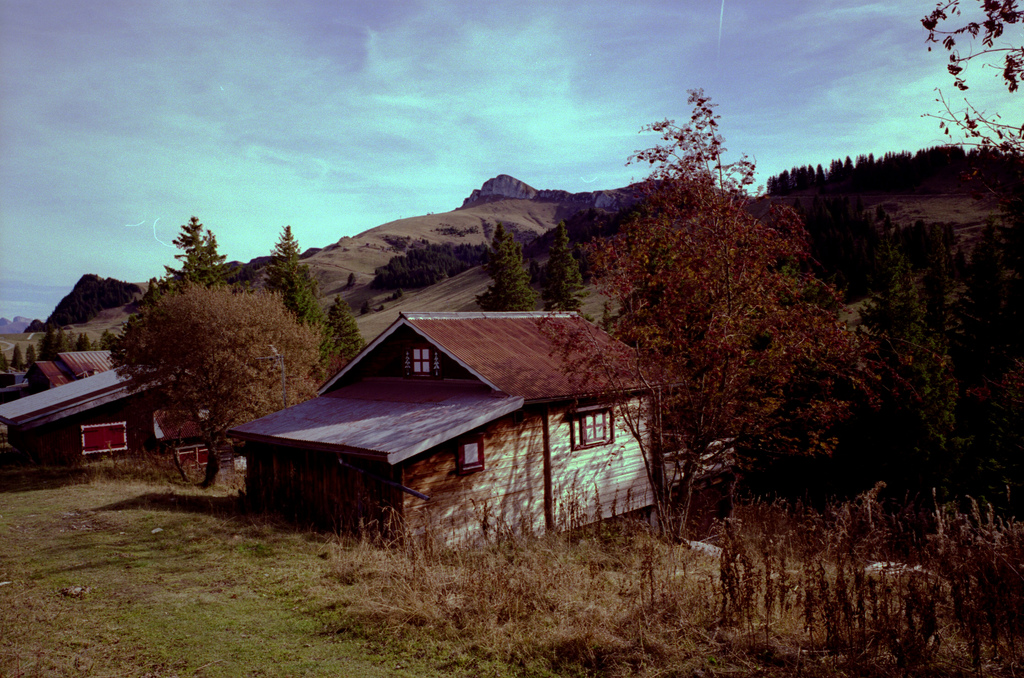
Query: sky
{"x": 120, "y": 119}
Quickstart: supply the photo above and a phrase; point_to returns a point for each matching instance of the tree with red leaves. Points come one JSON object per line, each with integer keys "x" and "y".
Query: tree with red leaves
{"x": 993, "y": 20}
{"x": 735, "y": 348}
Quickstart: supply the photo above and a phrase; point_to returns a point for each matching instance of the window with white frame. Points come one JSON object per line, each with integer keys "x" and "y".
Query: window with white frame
{"x": 422, "y": 361}
{"x": 112, "y": 437}
{"x": 470, "y": 457}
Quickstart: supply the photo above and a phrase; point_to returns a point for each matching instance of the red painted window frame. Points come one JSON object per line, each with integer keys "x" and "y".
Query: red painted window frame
{"x": 95, "y": 448}
{"x": 460, "y": 456}
{"x": 580, "y": 427}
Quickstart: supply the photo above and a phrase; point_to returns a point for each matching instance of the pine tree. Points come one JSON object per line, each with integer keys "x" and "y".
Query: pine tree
{"x": 17, "y": 361}
{"x": 82, "y": 343}
{"x": 49, "y": 344}
{"x": 289, "y": 277}
{"x": 30, "y": 356}
{"x": 201, "y": 264}
{"x": 563, "y": 290}
{"x": 980, "y": 344}
{"x": 343, "y": 333}
{"x": 510, "y": 287}
{"x": 351, "y": 281}
{"x": 4, "y": 365}
{"x": 108, "y": 341}
{"x": 919, "y": 394}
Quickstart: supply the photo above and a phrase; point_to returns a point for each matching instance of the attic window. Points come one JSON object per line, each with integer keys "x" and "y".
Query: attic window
{"x": 470, "y": 457}
{"x": 104, "y": 438}
{"x": 593, "y": 428}
{"x": 422, "y": 361}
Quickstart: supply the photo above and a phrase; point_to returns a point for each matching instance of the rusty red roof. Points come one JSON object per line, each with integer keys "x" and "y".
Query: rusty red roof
{"x": 166, "y": 428}
{"x": 55, "y": 372}
{"x": 515, "y": 353}
{"x": 86, "y": 363}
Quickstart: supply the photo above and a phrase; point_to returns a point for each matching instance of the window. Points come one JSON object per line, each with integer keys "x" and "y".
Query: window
{"x": 593, "y": 428}
{"x": 104, "y": 438}
{"x": 470, "y": 456}
{"x": 422, "y": 361}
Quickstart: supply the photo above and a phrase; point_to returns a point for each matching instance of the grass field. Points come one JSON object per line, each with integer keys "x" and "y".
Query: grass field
{"x": 116, "y": 570}
{"x": 120, "y": 577}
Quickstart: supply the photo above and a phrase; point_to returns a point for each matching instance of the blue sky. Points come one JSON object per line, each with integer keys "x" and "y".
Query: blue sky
{"x": 121, "y": 119}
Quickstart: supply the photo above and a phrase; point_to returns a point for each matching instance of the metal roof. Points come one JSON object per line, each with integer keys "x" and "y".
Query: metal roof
{"x": 54, "y": 372}
{"x": 165, "y": 427}
{"x": 86, "y": 363}
{"x": 511, "y": 352}
{"x": 57, "y": 403}
{"x": 386, "y": 419}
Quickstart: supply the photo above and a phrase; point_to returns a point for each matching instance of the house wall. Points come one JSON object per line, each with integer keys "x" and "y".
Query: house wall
{"x": 598, "y": 482}
{"x": 309, "y": 487}
{"x": 508, "y": 494}
{"x": 587, "y": 485}
{"x": 59, "y": 443}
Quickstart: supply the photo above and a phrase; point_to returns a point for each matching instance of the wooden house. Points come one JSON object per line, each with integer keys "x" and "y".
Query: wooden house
{"x": 451, "y": 424}
{"x": 92, "y": 416}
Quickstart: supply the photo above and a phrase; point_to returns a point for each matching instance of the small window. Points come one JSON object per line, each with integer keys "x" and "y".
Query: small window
{"x": 104, "y": 438}
{"x": 422, "y": 361}
{"x": 594, "y": 428}
{"x": 470, "y": 456}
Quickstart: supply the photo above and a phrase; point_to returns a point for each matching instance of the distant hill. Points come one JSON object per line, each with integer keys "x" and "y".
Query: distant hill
{"x": 90, "y": 296}
{"x": 936, "y": 196}
{"x": 16, "y": 326}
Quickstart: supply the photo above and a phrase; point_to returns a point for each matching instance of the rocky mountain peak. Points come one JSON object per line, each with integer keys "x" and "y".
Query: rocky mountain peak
{"x": 501, "y": 186}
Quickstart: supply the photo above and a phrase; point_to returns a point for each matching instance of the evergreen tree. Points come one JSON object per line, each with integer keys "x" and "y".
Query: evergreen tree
{"x": 82, "y": 343}
{"x": 351, "y": 281}
{"x": 108, "y": 341}
{"x": 344, "y": 338}
{"x": 979, "y": 347}
{"x": 289, "y": 277}
{"x": 30, "y": 356}
{"x": 4, "y": 365}
{"x": 49, "y": 344}
{"x": 510, "y": 283}
{"x": 916, "y": 418}
{"x": 563, "y": 290}
{"x": 17, "y": 361}
{"x": 939, "y": 282}
{"x": 201, "y": 264}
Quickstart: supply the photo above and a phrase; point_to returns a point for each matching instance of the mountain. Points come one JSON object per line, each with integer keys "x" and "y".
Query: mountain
{"x": 16, "y": 326}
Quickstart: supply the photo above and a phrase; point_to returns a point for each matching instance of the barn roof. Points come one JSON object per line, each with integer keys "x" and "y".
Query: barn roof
{"x": 386, "y": 419}
{"x": 86, "y": 363}
{"x": 166, "y": 428}
{"x": 57, "y": 403}
{"x": 53, "y": 371}
{"x": 510, "y": 352}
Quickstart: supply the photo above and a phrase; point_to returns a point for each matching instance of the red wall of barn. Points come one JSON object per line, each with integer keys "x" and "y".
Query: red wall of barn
{"x": 60, "y": 443}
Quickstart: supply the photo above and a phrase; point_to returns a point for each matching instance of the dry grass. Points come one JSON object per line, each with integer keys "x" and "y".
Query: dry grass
{"x": 794, "y": 592}
{"x": 115, "y": 569}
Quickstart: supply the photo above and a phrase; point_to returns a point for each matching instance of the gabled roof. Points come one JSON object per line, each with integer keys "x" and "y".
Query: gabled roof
{"x": 511, "y": 352}
{"x": 385, "y": 419}
{"x": 57, "y": 403}
{"x": 86, "y": 363}
{"x": 166, "y": 428}
{"x": 54, "y": 372}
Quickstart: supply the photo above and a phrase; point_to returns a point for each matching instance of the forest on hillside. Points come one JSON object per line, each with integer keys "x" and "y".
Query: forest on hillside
{"x": 90, "y": 295}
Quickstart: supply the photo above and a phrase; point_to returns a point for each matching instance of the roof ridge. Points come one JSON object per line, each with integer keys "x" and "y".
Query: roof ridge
{"x": 472, "y": 315}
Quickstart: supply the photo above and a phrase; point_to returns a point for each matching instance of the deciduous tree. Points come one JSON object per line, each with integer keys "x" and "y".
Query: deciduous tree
{"x": 992, "y": 21}
{"x": 198, "y": 353}
{"x": 510, "y": 283}
{"x": 733, "y": 343}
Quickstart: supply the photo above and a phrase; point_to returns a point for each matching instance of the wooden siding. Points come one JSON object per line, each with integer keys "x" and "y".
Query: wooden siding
{"x": 587, "y": 484}
{"x": 597, "y": 482}
{"x": 59, "y": 443}
{"x": 310, "y": 487}
{"x": 507, "y": 495}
